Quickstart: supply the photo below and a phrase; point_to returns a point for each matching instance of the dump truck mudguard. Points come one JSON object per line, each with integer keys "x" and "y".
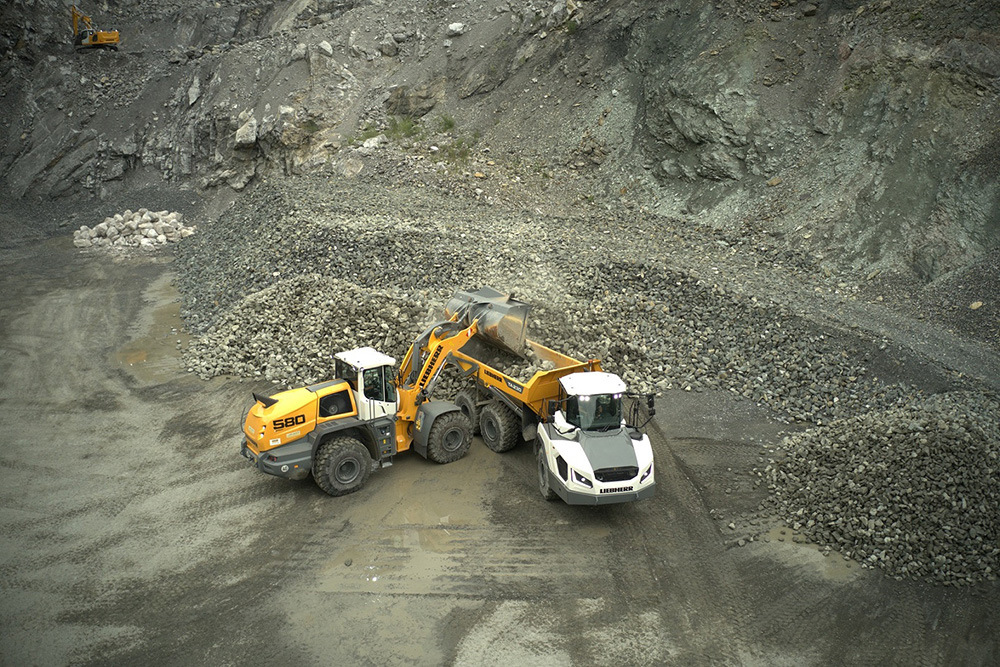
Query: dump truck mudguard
{"x": 426, "y": 414}
{"x": 291, "y": 461}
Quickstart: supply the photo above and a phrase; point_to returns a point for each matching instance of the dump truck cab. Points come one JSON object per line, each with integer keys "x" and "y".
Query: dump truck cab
{"x": 587, "y": 454}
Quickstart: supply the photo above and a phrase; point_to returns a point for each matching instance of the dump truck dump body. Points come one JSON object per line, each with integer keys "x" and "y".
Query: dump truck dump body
{"x": 535, "y": 392}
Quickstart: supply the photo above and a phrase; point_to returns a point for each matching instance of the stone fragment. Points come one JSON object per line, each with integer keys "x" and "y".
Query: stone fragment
{"x": 194, "y": 91}
{"x": 388, "y": 46}
{"x": 246, "y": 135}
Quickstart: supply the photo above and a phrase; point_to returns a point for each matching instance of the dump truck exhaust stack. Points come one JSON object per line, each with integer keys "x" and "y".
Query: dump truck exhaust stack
{"x": 503, "y": 321}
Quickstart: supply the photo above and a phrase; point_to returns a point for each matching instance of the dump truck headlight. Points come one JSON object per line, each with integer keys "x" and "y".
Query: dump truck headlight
{"x": 580, "y": 479}
{"x": 646, "y": 474}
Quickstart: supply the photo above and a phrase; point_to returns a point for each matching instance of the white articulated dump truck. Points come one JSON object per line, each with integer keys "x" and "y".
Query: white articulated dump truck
{"x": 589, "y": 447}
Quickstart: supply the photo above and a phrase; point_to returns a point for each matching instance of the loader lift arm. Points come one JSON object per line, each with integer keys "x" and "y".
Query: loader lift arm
{"x": 423, "y": 362}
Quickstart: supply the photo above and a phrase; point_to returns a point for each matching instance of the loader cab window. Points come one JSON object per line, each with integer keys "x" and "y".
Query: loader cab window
{"x": 378, "y": 384}
{"x": 347, "y": 373}
{"x": 600, "y": 412}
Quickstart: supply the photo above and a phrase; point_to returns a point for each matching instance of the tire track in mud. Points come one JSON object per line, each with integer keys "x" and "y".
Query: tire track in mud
{"x": 791, "y": 604}
{"x": 684, "y": 545}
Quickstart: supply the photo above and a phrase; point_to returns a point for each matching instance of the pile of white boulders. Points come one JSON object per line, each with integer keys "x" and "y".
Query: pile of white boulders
{"x": 134, "y": 229}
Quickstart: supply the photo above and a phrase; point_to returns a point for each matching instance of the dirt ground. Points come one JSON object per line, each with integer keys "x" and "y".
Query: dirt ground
{"x": 132, "y": 531}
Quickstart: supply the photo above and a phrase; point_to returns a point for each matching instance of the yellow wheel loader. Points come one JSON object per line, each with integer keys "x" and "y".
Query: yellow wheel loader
{"x": 339, "y": 431}
{"x": 86, "y": 36}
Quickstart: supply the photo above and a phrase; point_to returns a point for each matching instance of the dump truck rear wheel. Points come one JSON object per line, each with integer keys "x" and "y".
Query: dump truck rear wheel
{"x": 342, "y": 466}
{"x": 543, "y": 475}
{"x": 450, "y": 438}
{"x": 466, "y": 402}
{"x": 501, "y": 428}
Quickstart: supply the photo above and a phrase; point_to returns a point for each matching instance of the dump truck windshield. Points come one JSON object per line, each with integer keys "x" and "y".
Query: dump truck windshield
{"x": 600, "y": 412}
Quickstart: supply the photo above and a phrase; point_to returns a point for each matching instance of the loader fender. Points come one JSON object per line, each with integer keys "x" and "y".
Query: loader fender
{"x": 291, "y": 461}
{"x": 426, "y": 414}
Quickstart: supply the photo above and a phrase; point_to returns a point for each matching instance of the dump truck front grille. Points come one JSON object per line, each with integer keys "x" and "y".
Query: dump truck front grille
{"x": 616, "y": 474}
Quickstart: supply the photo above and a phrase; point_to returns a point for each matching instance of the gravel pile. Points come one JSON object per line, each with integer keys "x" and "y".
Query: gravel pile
{"x": 320, "y": 316}
{"x": 912, "y": 490}
{"x": 142, "y": 228}
{"x": 659, "y": 328}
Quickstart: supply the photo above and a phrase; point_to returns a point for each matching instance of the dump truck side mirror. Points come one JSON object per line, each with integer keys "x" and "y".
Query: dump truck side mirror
{"x": 563, "y": 426}
{"x": 553, "y": 405}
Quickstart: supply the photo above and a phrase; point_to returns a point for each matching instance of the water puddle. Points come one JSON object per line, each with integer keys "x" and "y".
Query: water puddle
{"x": 804, "y": 555}
{"x": 153, "y": 355}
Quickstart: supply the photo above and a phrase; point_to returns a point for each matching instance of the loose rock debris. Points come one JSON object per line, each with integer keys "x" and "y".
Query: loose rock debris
{"x": 912, "y": 490}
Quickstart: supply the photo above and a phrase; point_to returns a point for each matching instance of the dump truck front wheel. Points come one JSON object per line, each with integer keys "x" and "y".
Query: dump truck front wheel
{"x": 466, "y": 402}
{"x": 342, "y": 466}
{"x": 450, "y": 438}
{"x": 543, "y": 475}
{"x": 501, "y": 428}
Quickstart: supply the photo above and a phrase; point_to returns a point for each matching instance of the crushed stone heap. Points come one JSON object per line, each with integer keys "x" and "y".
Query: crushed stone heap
{"x": 911, "y": 490}
{"x": 142, "y": 228}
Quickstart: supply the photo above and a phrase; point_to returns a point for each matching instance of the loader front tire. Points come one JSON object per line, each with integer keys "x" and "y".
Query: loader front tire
{"x": 466, "y": 402}
{"x": 501, "y": 428}
{"x": 450, "y": 438}
{"x": 342, "y": 466}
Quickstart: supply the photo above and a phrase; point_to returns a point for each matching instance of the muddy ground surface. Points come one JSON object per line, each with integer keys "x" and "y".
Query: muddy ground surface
{"x": 132, "y": 531}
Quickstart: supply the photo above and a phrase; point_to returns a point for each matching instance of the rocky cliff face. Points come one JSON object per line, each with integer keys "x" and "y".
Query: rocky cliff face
{"x": 865, "y": 133}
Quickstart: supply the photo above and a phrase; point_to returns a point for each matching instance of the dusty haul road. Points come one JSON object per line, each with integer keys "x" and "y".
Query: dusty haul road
{"x": 132, "y": 532}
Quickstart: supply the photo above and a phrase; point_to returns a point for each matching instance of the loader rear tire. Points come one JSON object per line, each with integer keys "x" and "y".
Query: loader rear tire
{"x": 450, "y": 438}
{"x": 543, "y": 475}
{"x": 466, "y": 401}
{"x": 501, "y": 428}
{"x": 342, "y": 466}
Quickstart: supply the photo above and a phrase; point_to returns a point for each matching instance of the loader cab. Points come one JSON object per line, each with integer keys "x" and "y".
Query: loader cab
{"x": 591, "y": 401}
{"x": 370, "y": 375}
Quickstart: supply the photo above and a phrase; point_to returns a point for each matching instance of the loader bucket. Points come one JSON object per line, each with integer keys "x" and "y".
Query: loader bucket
{"x": 503, "y": 321}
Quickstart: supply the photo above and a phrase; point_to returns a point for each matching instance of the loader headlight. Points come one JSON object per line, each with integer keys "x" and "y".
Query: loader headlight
{"x": 580, "y": 479}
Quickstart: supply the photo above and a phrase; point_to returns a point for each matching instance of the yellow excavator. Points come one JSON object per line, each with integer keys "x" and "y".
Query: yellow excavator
{"x": 86, "y": 36}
